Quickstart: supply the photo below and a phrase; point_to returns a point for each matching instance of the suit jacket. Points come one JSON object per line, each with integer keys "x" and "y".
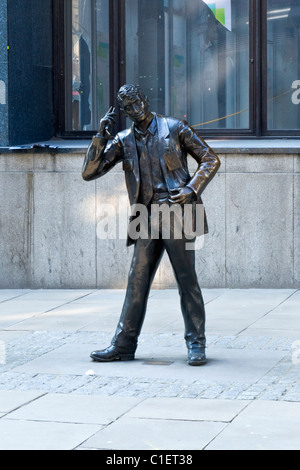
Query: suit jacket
{"x": 176, "y": 140}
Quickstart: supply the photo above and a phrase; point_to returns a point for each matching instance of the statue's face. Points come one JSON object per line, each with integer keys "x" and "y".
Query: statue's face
{"x": 136, "y": 109}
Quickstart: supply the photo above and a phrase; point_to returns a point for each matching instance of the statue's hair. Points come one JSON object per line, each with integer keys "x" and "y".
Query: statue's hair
{"x": 130, "y": 92}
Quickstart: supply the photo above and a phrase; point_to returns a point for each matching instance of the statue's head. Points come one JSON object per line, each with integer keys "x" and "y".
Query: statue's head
{"x": 133, "y": 102}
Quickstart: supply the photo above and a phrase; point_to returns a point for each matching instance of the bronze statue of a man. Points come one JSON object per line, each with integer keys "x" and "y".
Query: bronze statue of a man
{"x": 154, "y": 156}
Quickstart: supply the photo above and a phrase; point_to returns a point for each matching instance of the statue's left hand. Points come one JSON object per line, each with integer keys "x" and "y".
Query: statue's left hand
{"x": 183, "y": 195}
{"x": 107, "y": 123}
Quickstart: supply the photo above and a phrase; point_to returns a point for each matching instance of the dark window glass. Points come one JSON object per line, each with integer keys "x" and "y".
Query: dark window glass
{"x": 192, "y": 59}
{"x": 87, "y": 90}
{"x": 283, "y": 68}
{"x": 230, "y": 67}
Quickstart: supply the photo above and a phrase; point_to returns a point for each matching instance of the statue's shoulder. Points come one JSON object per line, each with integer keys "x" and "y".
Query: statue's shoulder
{"x": 123, "y": 135}
{"x": 169, "y": 119}
{"x": 173, "y": 123}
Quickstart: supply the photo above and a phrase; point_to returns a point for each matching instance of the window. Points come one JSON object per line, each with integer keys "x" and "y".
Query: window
{"x": 230, "y": 67}
{"x": 192, "y": 59}
{"x": 283, "y": 66}
{"x": 87, "y": 70}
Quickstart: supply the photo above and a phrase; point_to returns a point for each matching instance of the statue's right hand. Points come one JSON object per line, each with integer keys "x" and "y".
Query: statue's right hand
{"x": 107, "y": 123}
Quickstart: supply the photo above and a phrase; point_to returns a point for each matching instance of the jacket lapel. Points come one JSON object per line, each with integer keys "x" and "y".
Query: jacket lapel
{"x": 163, "y": 134}
{"x": 133, "y": 152}
{"x": 131, "y": 149}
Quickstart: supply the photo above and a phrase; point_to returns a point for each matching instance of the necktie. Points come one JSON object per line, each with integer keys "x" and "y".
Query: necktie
{"x": 146, "y": 173}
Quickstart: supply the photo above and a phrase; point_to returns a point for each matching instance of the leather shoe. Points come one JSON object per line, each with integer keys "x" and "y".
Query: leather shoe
{"x": 111, "y": 354}
{"x": 197, "y": 357}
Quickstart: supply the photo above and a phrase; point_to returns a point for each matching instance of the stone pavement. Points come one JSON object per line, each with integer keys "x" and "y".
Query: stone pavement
{"x": 53, "y": 397}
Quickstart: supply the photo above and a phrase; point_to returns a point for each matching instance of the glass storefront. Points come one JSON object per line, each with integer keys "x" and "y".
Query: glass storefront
{"x": 90, "y": 63}
{"x": 283, "y": 67}
{"x": 192, "y": 58}
{"x": 227, "y": 66}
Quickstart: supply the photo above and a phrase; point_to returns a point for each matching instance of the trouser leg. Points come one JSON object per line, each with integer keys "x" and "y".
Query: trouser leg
{"x": 192, "y": 304}
{"x": 146, "y": 258}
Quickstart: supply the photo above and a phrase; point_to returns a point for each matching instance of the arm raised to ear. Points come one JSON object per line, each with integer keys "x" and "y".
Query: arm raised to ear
{"x": 104, "y": 151}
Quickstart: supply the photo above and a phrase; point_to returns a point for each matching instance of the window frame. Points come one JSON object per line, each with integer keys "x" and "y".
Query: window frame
{"x": 62, "y": 12}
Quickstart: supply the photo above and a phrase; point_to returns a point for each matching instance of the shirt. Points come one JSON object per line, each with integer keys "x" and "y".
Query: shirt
{"x": 150, "y": 139}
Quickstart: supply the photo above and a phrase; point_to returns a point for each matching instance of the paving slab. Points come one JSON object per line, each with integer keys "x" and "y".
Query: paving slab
{"x": 271, "y": 332}
{"x": 67, "y": 318}
{"x": 154, "y": 434}
{"x": 90, "y": 317}
{"x": 75, "y": 409}
{"x": 255, "y": 300}
{"x": 14, "y": 312}
{"x": 12, "y": 399}
{"x": 223, "y": 364}
{"x": 103, "y": 296}
{"x": 280, "y": 321}
{"x": 263, "y": 425}
{"x": 188, "y": 409}
{"x": 33, "y": 435}
{"x": 8, "y": 336}
{"x": 65, "y": 295}
{"x": 9, "y": 294}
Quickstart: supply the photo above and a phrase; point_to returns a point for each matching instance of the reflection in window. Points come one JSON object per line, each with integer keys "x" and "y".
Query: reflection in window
{"x": 90, "y": 63}
{"x": 190, "y": 56}
{"x": 192, "y": 59}
{"x": 283, "y": 29}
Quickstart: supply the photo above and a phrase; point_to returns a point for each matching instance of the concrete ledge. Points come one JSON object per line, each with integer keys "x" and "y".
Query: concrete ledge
{"x": 256, "y": 146}
{"x": 236, "y": 146}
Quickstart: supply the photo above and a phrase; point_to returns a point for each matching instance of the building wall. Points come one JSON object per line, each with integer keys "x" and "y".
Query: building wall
{"x": 49, "y": 216}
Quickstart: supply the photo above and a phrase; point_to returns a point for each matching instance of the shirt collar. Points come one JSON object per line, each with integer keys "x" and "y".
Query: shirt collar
{"x": 152, "y": 129}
